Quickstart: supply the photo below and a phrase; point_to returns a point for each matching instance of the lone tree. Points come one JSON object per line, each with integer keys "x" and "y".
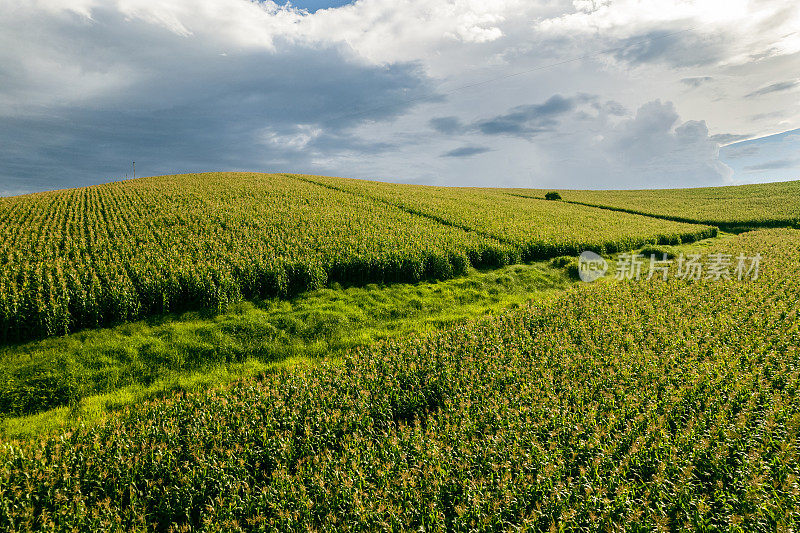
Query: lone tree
{"x": 552, "y": 196}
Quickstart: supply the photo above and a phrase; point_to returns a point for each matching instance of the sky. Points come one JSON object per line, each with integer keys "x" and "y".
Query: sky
{"x": 508, "y": 93}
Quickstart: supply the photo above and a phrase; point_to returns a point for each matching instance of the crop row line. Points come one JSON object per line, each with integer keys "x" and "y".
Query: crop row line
{"x": 409, "y": 210}
{"x": 736, "y": 227}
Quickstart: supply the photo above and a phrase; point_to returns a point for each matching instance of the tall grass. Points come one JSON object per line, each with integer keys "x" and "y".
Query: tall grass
{"x": 88, "y": 373}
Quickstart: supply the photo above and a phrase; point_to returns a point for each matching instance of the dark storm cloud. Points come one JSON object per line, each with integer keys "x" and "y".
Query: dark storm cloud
{"x": 189, "y": 107}
{"x": 466, "y": 151}
{"x": 774, "y": 88}
{"x": 522, "y": 121}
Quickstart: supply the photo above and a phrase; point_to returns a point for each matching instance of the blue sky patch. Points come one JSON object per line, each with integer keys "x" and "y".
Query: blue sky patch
{"x": 772, "y": 158}
{"x": 315, "y": 5}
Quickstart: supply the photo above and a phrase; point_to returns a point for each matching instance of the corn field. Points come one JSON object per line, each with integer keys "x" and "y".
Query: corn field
{"x": 733, "y": 207}
{"x": 93, "y": 256}
{"x": 680, "y": 413}
{"x": 539, "y": 229}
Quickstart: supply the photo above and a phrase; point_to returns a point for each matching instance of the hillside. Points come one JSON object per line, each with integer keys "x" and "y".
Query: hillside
{"x": 89, "y": 257}
{"x": 538, "y": 228}
{"x": 681, "y": 412}
{"x": 287, "y": 352}
{"x": 733, "y": 207}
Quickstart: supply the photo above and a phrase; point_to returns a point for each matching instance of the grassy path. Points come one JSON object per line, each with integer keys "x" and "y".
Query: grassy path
{"x": 54, "y": 384}
{"x": 59, "y": 382}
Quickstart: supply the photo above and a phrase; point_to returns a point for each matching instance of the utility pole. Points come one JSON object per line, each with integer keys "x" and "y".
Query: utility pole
{"x": 134, "y": 170}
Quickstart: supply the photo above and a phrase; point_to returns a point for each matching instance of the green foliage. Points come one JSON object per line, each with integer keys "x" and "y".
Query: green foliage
{"x": 569, "y": 264}
{"x": 732, "y": 208}
{"x": 98, "y": 255}
{"x": 94, "y": 256}
{"x": 659, "y": 251}
{"x": 536, "y": 228}
{"x": 680, "y": 413}
{"x": 55, "y": 372}
{"x": 562, "y": 261}
{"x": 552, "y": 196}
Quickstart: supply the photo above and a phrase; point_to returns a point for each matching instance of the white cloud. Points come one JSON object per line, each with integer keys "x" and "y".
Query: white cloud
{"x": 743, "y": 26}
{"x": 247, "y": 84}
{"x": 590, "y": 143}
{"x": 297, "y": 140}
{"x": 653, "y": 149}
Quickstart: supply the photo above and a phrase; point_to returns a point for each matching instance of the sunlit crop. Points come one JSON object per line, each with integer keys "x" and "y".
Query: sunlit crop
{"x": 537, "y": 227}
{"x": 637, "y": 405}
{"x": 97, "y": 255}
{"x": 735, "y": 207}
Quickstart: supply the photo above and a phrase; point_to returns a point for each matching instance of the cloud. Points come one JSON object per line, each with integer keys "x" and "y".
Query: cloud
{"x": 696, "y": 81}
{"x": 742, "y": 151}
{"x": 654, "y": 142}
{"x": 611, "y": 108}
{"x": 528, "y": 120}
{"x": 385, "y": 31}
{"x": 774, "y": 88}
{"x": 682, "y": 33}
{"x": 187, "y": 85}
{"x": 313, "y": 6}
{"x": 771, "y": 115}
{"x": 662, "y": 152}
{"x": 774, "y": 165}
{"x": 586, "y": 145}
{"x": 466, "y": 151}
{"x": 729, "y": 138}
{"x": 192, "y": 109}
{"x": 521, "y": 121}
{"x": 447, "y": 125}
{"x": 763, "y": 159}
{"x": 674, "y": 48}
{"x": 651, "y": 149}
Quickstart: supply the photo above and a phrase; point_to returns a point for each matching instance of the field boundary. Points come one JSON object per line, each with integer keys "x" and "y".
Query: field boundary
{"x": 408, "y": 210}
{"x": 526, "y": 250}
{"x": 56, "y": 295}
{"x": 730, "y": 227}
{"x": 659, "y": 391}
